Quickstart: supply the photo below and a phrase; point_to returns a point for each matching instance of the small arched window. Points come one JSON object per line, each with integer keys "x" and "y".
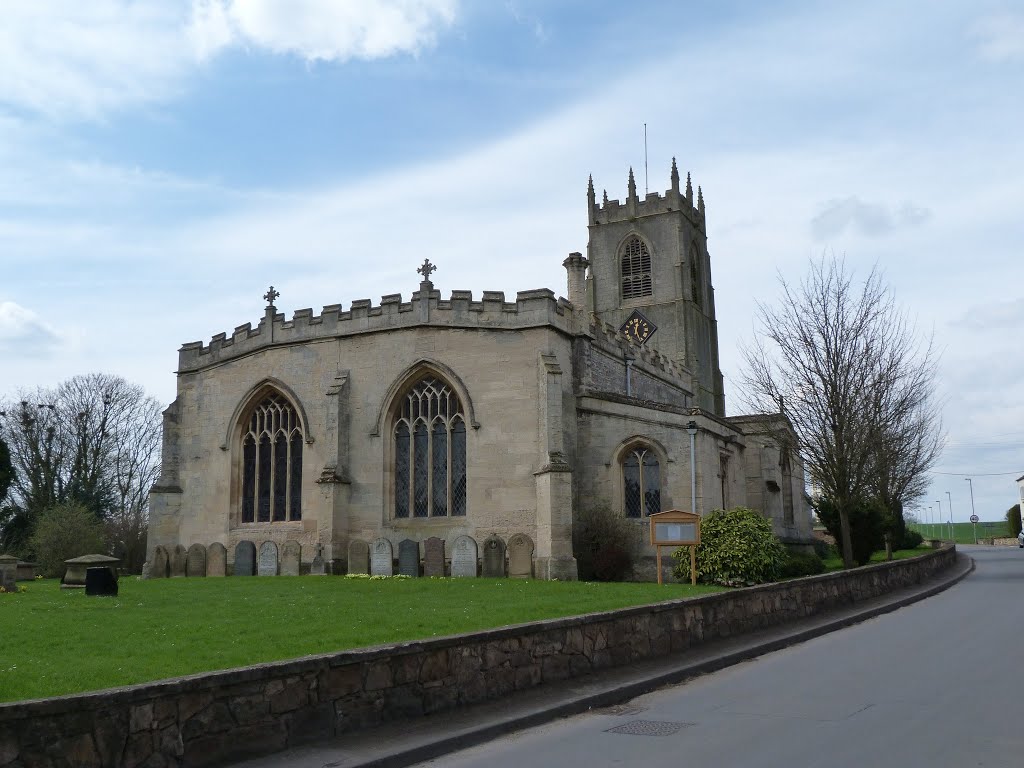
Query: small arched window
{"x": 787, "y": 487}
{"x": 636, "y": 269}
{"x": 430, "y": 452}
{"x": 641, "y": 482}
{"x": 272, "y": 462}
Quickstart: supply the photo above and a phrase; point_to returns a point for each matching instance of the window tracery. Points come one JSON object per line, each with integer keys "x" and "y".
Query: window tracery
{"x": 272, "y": 462}
{"x": 641, "y": 482}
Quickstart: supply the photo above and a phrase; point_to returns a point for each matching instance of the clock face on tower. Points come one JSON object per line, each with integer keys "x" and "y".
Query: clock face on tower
{"x": 638, "y": 328}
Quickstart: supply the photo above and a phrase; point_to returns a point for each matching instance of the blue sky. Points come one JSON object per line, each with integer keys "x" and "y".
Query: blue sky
{"x": 163, "y": 163}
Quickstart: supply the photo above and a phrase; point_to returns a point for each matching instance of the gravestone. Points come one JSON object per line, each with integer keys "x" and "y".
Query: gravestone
{"x": 8, "y": 573}
{"x": 381, "y": 558}
{"x": 161, "y": 568}
{"x": 179, "y": 561}
{"x": 316, "y": 568}
{"x": 409, "y": 558}
{"x": 100, "y": 582}
{"x": 520, "y": 556}
{"x": 76, "y": 567}
{"x": 245, "y": 559}
{"x": 358, "y": 556}
{"x": 494, "y": 557}
{"x": 195, "y": 562}
{"x": 267, "y": 564}
{"x": 216, "y": 559}
{"x": 464, "y": 557}
{"x": 291, "y": 557}
{"x": 433, "y": 557}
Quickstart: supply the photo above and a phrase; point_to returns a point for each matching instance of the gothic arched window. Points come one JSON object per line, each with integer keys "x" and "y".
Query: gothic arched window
{"x": 430, "y": 452}
{"x": 695, "y": 291}
{"x": 641, "y": 482}
{"x": 787, "y": 487}
{"x": 636, "y": 269}
{"x": 272, "y": 462}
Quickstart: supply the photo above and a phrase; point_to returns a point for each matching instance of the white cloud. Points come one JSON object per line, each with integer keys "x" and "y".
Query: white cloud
{"x": 872, "y": 219}
{"x": 22, "y": 332}
{"x": 325, "y": 30}
{"x": 1000, "y": 37}
{"x": 1006, "y": 314}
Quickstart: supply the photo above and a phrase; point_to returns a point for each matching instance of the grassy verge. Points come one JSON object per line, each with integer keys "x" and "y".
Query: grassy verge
{"x": 835, "y": 563}
{"x": 60, "y": 641}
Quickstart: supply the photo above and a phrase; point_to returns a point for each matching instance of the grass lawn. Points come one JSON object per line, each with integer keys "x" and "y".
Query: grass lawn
{"x": 835, "y": 563}
{"x": 60, "y": 641}
{"x": 963, "y": 533}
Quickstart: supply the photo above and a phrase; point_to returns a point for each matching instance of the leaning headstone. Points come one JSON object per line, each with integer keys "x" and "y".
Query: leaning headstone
{"x": 100, "y": 582}
{"x": 520, "y": 556}
{"x": 464, "y": 557}
{"x": 8, "y": 573}
{"x": 216, "y": 559}
{"x": 433, "y": 557}
{"x": 195, "y": 562}
{"x": 409, "y": 558}
{"x": 494, "y": 557}
{"x": 245, "y": 559}
{"x": 381, "y": 558}
{"x": 316, "y": 568}
{"x": 267, "y": 564}
{"x": 179, "y": 561}
{"x": 291, "y": 558}
{"x": 161, "y": 567}
{"x": 358, "y": 556}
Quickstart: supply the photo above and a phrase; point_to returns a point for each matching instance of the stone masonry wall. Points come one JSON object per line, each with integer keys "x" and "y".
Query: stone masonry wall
{"x": 209, "y": 719}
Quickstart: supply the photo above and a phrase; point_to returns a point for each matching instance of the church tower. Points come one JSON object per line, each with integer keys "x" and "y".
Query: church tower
{"x": 650, "y": 257}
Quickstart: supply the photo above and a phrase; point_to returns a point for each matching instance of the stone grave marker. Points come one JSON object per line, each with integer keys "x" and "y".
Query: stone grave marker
{"x": 409, "y": 558}
{"x": 245, "y": 559}
{"x": 494, "y": 557}
{"x": 433, "y": 557}
{"x": 100, "y": 582}
{"x": 381, "y": 558}
{"x": 161, "y": 567}
{"x": 316, "y": 568}
{"x": 464, "y": 557}
{"x": 76, "y": 568}
{"x": 179, "y": 561}
{"x": 267, "y": 563}
{"x": 520, "y": 556}
{"x": 195, "y": 561}
{"x": 291, "y": 557}
{"x": 216, "y": 559}
{"x": 358, "y": 556}
{"x": 8, "y": 573}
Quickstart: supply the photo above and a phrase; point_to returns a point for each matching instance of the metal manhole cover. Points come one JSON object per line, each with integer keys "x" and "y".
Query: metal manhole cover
{"x": 648, "y": 728}
{"x": 621, "y": 710}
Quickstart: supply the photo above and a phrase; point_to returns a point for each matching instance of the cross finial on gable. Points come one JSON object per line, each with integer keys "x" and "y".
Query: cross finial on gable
{"x": 426, "y": 269}
{"x": 270, "y": 296}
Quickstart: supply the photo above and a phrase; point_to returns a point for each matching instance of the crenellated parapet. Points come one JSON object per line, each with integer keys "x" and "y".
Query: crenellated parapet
{"x": 611, "y": 339}
{"x": 674, "y": 199}
{"x": 531, "y": 309}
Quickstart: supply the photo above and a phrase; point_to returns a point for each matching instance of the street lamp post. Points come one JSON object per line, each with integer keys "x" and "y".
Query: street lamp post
{"x": 950, "y": 515}
{"x": 974, "y": 515}
{"x": 938, "y": 516}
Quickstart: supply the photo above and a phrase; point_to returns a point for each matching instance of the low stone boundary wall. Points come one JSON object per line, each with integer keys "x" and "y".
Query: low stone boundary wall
{"x": 209, "y": 719}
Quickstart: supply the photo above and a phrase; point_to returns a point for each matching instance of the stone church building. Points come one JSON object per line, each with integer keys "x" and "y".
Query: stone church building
{"x": 353, "y": 433}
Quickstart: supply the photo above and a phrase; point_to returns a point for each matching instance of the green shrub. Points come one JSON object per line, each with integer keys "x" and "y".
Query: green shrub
{"x": 911, "y": 540}
{"x": 823, "y": 549}
{"x": 603, "y": 543}
{"x": 62, "y": 532}
{"x": 802, "y": 564}
{"x": 737, "y": 548}
{"x": 867, "y": 526}
{"x": 1013, "y": 520}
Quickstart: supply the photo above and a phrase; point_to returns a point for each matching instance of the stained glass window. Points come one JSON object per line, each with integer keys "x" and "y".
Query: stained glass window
{"x": 636, "y": 269}
{"x": 430, "y": 452}
{"x": 272, "y": 463}
{"x": 641, "y": 482}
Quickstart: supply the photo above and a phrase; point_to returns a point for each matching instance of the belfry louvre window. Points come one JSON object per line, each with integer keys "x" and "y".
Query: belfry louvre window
{"x": 430, "y": 452}
{"x": 636, "y": 269}
{"x": 641, "y": 482}
{"x": 272, "y": 463}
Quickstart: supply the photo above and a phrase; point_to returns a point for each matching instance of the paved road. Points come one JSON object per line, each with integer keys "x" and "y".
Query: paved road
{"x": 937, "y": 683}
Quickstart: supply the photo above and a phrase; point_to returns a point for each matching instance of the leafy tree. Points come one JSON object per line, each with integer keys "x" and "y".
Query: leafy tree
{"x": 847, "y": 369}
{"x": 1013, "y": 519}
{"x": 64, "y": 531}
{"x": 867, "y": 525}
{"x": 737, "y": 548}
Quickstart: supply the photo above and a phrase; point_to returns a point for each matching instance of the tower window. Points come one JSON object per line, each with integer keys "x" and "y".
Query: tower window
{"x": 636, "y": 269}
{"x": 695, "y": 291}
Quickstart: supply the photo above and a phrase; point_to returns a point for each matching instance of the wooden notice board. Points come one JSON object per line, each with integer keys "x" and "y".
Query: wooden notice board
{"x": 675, "y": 528}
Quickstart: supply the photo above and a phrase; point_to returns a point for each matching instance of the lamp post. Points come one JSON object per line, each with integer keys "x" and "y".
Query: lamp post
{"x": 691, "y": 429}
{"x": 950, "y": 515}
{"x": 938, "y": 517}
{"x": 974, "y": 515}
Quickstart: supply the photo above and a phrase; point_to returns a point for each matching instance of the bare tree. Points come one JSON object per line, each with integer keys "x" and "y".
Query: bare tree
{"x": 846, "y": 368}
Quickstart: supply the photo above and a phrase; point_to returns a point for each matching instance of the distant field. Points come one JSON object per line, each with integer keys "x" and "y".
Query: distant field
{"x": 61, "y": 641}
{"x": 963, "y": 533}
